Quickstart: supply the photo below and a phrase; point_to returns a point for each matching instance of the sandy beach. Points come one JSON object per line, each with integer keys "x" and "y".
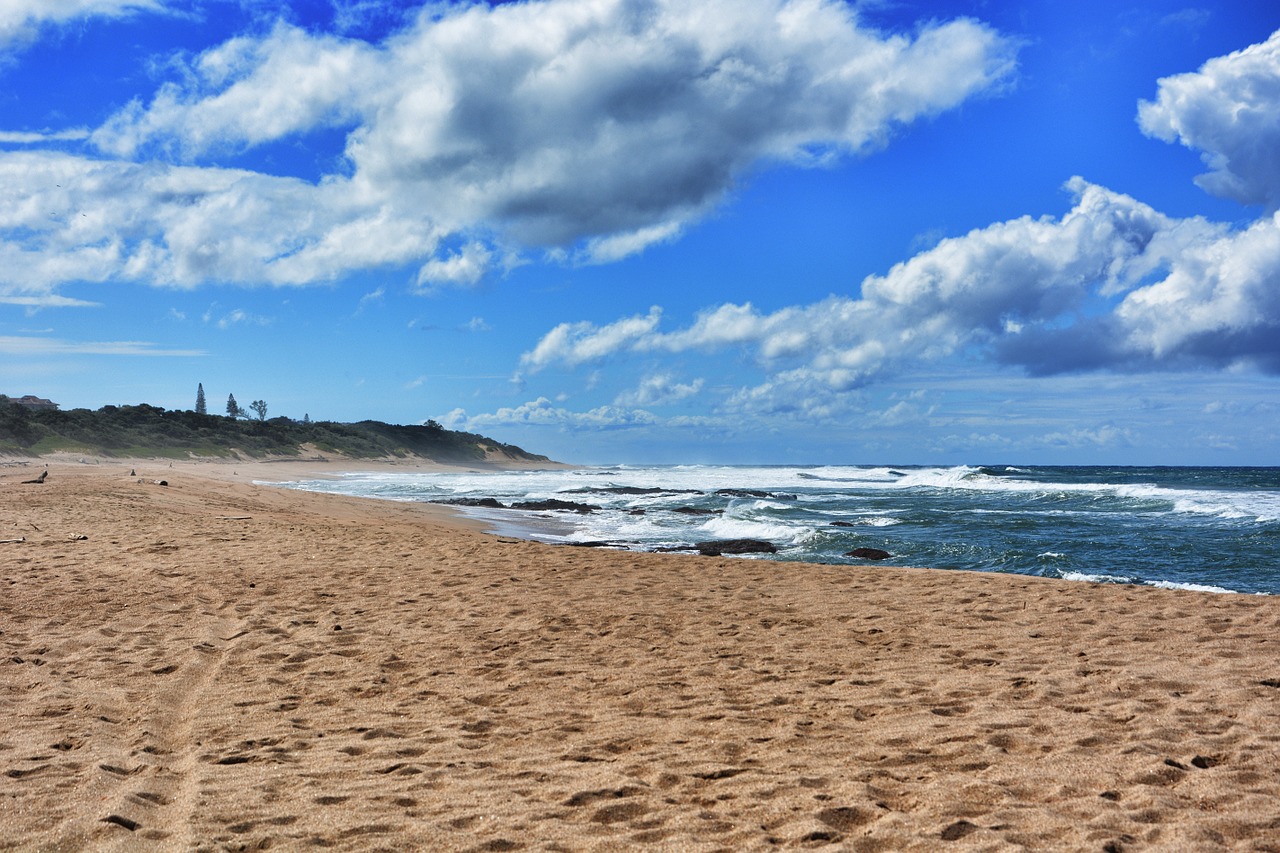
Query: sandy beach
{"x": 213, "y": 664}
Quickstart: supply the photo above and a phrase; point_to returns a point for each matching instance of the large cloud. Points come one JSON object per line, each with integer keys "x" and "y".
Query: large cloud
{"x": 615, "y": 123}
{"x": 1227, "y": 110}
{"x": 1112, "y": 284}
{"x": 589, "y": 128}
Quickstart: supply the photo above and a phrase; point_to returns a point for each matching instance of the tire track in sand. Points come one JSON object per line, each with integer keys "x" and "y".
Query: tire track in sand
{"x": 156, "y": 790}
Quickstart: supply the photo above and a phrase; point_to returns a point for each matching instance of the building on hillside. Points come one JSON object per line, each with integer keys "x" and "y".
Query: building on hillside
{"x": 31, "y": 401}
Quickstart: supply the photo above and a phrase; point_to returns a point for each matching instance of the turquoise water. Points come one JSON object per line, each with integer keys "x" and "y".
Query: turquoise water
{"x": 1215, "y": 529}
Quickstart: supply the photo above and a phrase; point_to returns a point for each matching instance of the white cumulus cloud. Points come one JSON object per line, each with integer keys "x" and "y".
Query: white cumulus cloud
{"x": 70, "y": 218}
{"x": 586, "y": 129}
{"x": 251, "y": 90}
{"x": 1112, "y": 284}
{"x": 466, "y": 266}
{"x": 577, "y": 343}
{"x": 659, "y": 389}
{"x": 542, "y": 412}
{"x": 1228, "y": 111}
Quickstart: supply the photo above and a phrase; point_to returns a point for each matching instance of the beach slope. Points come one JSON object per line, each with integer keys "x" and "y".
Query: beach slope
{"x": 213, "y": 664}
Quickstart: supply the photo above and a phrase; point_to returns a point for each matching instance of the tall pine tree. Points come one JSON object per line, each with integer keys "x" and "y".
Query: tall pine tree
{"x": 201, "y": 408}
{"x": 233, "y": 408}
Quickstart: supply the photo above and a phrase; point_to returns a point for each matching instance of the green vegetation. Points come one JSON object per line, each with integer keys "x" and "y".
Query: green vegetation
{"x": 148, "y": 431}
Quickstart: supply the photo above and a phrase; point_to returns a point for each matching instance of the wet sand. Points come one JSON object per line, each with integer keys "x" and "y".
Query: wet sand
{"x": 212, "y": 665}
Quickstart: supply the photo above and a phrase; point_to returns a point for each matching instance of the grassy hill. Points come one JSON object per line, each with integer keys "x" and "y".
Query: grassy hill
{"x": 149, "y": 431}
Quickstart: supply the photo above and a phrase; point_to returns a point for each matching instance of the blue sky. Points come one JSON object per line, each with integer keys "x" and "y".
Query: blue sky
{"x": 650, "y": 231}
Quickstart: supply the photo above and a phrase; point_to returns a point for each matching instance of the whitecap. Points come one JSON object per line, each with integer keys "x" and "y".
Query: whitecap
{"x": 1088, "y": 578}
{"x": 1190, "y": 587}
{"x": 728, "y": 527}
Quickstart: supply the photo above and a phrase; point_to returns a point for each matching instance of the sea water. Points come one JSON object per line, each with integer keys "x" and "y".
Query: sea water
{"x": 1211, "y": 529}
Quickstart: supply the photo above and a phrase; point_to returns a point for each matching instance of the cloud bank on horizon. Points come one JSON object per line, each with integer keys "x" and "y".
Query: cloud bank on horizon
{"x": 453, "y": 144}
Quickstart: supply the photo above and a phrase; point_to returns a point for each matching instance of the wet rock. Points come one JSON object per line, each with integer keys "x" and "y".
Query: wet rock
{"x": 743, "y": 493}
{"x": 694, "y": 510}
{"x": 633, "y": 490}
{"x": 717, "y": 547}
{"x": 868, "y": 554}
{"x": 487, "y": 503}
{"x": 554, "y": 504}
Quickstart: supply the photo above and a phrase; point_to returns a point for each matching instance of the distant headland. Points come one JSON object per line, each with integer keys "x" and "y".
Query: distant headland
{"x": 34, "y": 426}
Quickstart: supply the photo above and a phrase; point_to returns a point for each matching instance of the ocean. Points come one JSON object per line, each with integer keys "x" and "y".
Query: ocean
{"x": 1208, "y": 529}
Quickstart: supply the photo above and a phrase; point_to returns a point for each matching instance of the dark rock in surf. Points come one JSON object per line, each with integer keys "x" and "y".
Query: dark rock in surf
{"x": 868, "y": 554}
{"x": 693, "y": 510}
{"x": 843, "y": 524}
{"x": 717, "y": 547}
{"x": 743, "y": 493}
{"x": 633, "y": 490}
{"x": 554, "y": 504}
{"x": 486, "y": 503}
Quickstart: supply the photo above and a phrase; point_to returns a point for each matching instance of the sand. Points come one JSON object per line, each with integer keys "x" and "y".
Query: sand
{"x": 216, "y": 665}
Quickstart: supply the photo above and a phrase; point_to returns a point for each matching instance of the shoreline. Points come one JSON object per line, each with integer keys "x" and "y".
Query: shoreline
{"x": 888, "y": 521}
{"x": 218, "y": 663}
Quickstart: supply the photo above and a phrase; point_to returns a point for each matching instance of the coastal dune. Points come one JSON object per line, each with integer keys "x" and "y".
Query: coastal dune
{"x": 214, "y": 664}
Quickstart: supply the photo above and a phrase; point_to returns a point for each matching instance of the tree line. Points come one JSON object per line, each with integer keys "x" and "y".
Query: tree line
{"x": 234, "y": 409}
{"x": 145, "y": 430}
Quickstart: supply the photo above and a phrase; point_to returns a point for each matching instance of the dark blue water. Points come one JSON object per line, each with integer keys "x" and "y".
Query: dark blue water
{"x": 1199, "y": 528}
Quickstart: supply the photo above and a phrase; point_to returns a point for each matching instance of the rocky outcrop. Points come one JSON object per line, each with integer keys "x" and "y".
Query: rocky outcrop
{"x": 868, "y": 554}
{"x": 717, "y": 547}
{"x": 554, "y": 504}
{"x": 533, "y": 506}
{"x": 486, "y": 503}
{"x": 754, "y": 493}
{"x": 632, "y": 490}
